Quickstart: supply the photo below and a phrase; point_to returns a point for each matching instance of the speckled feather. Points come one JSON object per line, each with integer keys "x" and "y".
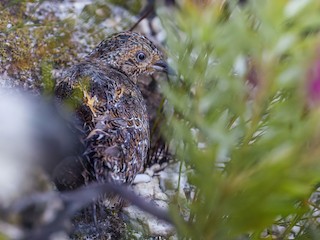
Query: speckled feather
{"x": 110, "y": 106}
{"x": 112, "y": 50}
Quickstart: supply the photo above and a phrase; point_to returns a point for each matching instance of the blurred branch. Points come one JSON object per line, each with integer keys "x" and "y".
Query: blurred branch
{"x": 73, "y": 201}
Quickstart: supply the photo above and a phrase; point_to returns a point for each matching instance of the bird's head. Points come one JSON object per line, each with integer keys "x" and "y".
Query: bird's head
{"x": 131, "y": 53}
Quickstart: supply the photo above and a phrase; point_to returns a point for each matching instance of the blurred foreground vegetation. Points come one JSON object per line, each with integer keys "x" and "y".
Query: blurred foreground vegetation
{"x": 246, "y": 118}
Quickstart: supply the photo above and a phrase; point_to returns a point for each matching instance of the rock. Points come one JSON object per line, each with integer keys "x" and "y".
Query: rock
{"x": 169, "y": 179}
{"x": 148, "y": 224}
{"x": 141, "y": 221}
{"x": 156, "y": 167}
{"x": 149, "y": 171}
{"x": 147, "y": 189}
{"x": 142, "y": 178}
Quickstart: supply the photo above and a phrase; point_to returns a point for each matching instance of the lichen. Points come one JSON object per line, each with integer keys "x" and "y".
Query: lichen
{"x": 26, "y": 41}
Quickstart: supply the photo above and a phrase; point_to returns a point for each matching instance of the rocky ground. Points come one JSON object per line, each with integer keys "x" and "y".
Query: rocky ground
{"x": 38, "y": 40}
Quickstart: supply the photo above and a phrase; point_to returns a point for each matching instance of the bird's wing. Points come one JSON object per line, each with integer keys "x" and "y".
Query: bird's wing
{"x": 114, "y": 117}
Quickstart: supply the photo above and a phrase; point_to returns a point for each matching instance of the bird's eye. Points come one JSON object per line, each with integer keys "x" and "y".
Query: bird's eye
{"x": 141, "y": 56}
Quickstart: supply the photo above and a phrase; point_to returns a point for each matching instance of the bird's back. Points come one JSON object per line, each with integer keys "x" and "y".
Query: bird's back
{"x": 113, "y": 115}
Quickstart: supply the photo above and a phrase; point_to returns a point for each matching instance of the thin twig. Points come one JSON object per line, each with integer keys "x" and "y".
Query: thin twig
{"x": 145, "y": 13}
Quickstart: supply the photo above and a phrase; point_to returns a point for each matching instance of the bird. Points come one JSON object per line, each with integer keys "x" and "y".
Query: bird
{"x": 109, "y": 109}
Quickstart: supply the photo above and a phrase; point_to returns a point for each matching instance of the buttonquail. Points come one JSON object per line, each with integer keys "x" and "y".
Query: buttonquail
{"x": 109, "y": 107}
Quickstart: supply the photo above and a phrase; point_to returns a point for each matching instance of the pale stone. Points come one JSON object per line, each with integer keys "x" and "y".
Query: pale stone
{"x": 149, "y": 224}
{"x": 149, "y": 172}
{"x": 141, "y": 178}
{"x": 156, "y": 167}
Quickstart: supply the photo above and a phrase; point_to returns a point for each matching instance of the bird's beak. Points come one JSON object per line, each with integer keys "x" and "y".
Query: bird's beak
{"x": 162, "y": 66}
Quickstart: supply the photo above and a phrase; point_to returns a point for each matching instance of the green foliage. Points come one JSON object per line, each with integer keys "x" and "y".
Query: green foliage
{"x": 48, "y": 82}
{"x": 241, "y": 119}
{"x": 133, "y": 6}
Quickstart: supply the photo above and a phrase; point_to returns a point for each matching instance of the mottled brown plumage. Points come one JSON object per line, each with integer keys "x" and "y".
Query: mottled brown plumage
{"x": 109, "y": 105}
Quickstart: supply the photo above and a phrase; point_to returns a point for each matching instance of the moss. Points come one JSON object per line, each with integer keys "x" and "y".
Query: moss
{"x": 110, "y": 226}
{"x": 134, "y": 6}
{"x": 46, "y": 72}
{"x": 26, "y": 40}
{"x": 96, "y": 11}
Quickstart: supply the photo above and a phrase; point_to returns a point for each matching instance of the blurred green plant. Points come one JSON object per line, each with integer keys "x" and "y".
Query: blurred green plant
{"x": 242, "y": 122}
